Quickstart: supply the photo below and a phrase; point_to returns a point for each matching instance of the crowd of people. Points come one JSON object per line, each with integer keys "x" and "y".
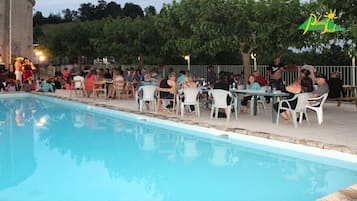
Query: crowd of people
{"x": 22, "y": 78}
{"x": 309, "y": 80}
{"x": 130, "y": 79}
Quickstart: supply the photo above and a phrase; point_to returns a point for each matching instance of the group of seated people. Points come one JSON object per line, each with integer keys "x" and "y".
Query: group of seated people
{"x": 304, "y": 84}
{"x": 119, "y": 81}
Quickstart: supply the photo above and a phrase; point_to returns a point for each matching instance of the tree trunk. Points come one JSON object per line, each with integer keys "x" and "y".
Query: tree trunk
{"x": 141, "y": 61}
{"x": 246, "y": 65}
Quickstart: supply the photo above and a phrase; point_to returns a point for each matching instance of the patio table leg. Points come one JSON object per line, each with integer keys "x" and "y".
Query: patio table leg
{"x": 238, "y": 105}
{"x": 255, "y": 108}
{"x": 273, "y": 112}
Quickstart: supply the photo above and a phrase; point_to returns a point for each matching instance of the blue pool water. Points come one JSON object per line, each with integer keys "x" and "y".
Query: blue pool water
{"x": 54, "y": 150}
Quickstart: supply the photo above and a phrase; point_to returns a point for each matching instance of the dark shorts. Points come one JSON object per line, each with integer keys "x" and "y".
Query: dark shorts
{"x": 277, "y": 84}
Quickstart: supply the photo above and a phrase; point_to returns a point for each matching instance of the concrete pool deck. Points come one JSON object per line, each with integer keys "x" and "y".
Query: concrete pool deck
{"x": 338, "y": 131}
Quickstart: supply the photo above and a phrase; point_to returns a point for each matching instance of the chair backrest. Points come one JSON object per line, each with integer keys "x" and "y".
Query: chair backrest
{"x": 302, "y": 99}
{"x": 191, "y": 95}
{"x": 240, "y": 86}
{"x": 148, "y": 92}
{"x": 319, "y": 101}
{"x": 78, "y": 80}
{"x": 220, "y": 97}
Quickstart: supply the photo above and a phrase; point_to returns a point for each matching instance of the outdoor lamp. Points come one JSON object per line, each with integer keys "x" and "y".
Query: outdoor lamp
{"x": 253, "y": 56}
{"x": 187, "y": 58}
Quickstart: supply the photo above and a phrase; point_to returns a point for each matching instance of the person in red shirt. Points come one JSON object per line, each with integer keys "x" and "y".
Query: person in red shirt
{"x": 27, "y": 72}
{"x": 89, "y": 81}
{"x": 259, "y": 78}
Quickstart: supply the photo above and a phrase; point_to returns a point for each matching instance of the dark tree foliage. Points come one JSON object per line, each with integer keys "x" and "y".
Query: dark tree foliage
{"x": 54, "y": 19}
{"x": 113, "y": 10}
{"x": 210, "y": 31}
{"x": 132, "y": 10}
{"x": 38, "y": 19}
{"x": 87, "y": 11}
{"x": 150, "y": 10}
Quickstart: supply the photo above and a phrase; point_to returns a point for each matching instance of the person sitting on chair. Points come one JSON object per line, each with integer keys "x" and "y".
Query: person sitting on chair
{"x": 322, "y": 86}
{"x": 335, "y": 85}
{"x": 168, "y": 88}
{"x": 298, "y": 86}
{"x": 118, "y": 82}
{"x": 252, "y": 84}
{"x": 89, "y": 81}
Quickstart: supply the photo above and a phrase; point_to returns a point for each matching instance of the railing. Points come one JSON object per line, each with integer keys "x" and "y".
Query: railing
{"x": 346, "y": 72}
{"x": 201, "y": 71}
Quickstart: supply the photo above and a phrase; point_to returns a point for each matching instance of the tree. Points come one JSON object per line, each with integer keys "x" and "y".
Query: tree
{"x": 100, "y": 9}
{"x": 113, "y": 9}
{"x": 150, "y": 10}
{"x": 54, "y": 19}
{"x": 211, "y": 28}
{"x": 132, "y": 10}
{"x": 37, "y": 33}
{"x": 87, "y": 11}
{"x": 68, "y": 15}
{"x": 346, "y": 12}
{"x": 70, "y": 40}
{"x": 38, "y": 18}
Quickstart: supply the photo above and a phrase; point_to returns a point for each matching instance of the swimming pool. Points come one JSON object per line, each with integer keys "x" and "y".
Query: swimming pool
{"x": 53, "y": 149}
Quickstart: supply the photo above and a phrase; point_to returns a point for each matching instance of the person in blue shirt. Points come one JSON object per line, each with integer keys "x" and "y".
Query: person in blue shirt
{"x": 181, "y": 78}
{"x": 252, "y": 85}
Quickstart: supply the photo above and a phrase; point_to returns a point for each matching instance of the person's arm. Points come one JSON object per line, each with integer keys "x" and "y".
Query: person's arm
{"x": 283, "y": 67}
{"x": 173, "y": 87}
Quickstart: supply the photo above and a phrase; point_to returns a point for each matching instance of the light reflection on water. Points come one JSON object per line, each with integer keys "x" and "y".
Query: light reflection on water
{"x": 51, "y": 152}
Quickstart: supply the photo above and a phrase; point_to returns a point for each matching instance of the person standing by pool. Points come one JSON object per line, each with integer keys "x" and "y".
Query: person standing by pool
{"x": 211, "y": 76}
{"x": 18, "y": 69}
{"x": 275, "y": 73}
{"x": 27, "y": 70}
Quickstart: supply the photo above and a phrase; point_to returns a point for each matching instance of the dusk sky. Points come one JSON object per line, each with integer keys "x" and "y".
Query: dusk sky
{"x": 56, "y": 6}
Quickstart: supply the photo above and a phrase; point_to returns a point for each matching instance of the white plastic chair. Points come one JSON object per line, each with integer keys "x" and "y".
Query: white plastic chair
{"x": 77, "y": 84}
{"x": 316, "y": 104}
{"x": 240, "y": 86}
{"x": 300, "y": 108}
{"x": 220, "y": 101}
{"x": 190, "y": 96}
{"x": 147, "y": 93}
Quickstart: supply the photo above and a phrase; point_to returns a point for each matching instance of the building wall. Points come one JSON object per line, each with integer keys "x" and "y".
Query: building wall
{"x": 4, "y": 24}
{"x": 22, "y": 29}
